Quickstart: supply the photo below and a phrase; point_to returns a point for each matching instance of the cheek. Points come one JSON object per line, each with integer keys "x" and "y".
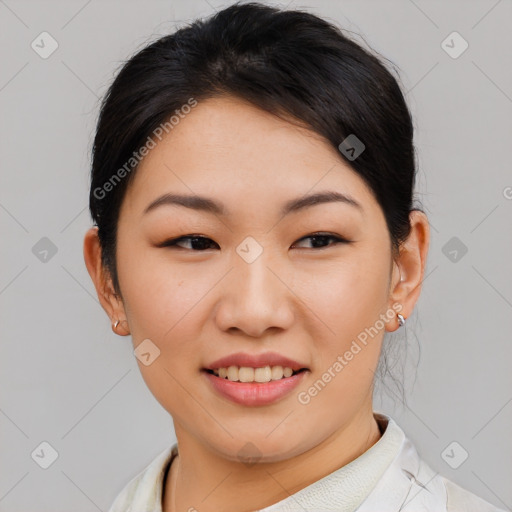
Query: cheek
{"x": 158, "y": 295}
{"x": 163, "y": 305}
{"x": 166, "y": 304}
{"x": 348, "y": 295}
{"x": 346, "y": 353}
{"x": 348, "y": 299}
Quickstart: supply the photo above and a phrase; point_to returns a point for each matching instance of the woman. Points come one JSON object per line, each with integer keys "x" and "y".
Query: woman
{"x": 252, "y": 187}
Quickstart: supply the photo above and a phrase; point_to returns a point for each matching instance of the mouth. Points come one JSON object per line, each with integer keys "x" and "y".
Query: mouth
{"x": 253, "y": 387}
{"x": 259, "y": 375}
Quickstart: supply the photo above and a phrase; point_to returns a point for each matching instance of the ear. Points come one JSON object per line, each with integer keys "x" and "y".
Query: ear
{"x": 109, "y": 300}
{"x": 409, "y": 268}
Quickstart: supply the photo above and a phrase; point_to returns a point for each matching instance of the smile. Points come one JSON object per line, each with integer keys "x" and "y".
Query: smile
{"x": 241, "y": 385}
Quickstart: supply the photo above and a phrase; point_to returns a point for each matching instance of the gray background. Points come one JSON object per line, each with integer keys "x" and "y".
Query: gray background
{"x": 68, "y": 380}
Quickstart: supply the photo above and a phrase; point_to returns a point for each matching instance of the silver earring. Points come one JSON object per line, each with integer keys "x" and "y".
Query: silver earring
{"x": 116, "y": 324}
{"x": 401, "y": 319}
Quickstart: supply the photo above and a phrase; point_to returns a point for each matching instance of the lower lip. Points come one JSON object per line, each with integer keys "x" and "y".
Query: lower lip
{"x": 254, "y": 393}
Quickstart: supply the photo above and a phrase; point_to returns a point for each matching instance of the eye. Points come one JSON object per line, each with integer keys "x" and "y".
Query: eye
{"x": 201, "y": 243}
{"x": 318, "y": 238}
{"x": 197, "y": 241}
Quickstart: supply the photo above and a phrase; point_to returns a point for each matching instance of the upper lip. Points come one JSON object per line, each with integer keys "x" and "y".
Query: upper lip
{"x": 255, "y": 361}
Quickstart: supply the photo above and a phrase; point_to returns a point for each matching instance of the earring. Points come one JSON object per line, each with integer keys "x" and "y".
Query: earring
{"x": 114, "y": 327}
{"x": 401, "y": 319}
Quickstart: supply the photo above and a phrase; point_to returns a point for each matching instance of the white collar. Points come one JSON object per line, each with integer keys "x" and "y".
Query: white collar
{"x": 348, "y": 486}
{"x": 389, "y": 477}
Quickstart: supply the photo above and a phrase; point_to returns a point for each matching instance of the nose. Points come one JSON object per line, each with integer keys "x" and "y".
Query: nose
{"x": 255, "y": 298}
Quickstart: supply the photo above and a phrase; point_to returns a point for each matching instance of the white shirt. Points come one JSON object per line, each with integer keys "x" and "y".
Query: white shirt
{"x": 389, "y": 477}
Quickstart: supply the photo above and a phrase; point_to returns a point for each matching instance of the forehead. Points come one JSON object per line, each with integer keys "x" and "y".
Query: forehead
{"x": 226, "y": 147}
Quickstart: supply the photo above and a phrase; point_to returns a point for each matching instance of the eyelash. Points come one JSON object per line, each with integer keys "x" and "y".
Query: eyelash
{"x": 173, "y": 242}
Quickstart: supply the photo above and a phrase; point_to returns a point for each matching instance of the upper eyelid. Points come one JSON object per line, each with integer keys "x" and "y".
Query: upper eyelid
{"x": 208, "y": 238}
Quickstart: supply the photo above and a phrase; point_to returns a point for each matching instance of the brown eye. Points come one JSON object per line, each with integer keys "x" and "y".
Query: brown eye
{"x": 320, "y": 240}
{"x": 198, "y": 243}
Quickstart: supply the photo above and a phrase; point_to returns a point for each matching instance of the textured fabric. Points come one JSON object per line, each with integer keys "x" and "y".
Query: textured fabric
{"x": 388, "y": 477}
{"x": 346, "y": 488}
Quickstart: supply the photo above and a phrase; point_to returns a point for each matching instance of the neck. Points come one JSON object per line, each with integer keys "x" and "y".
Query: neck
{"x": 205, "y": 481}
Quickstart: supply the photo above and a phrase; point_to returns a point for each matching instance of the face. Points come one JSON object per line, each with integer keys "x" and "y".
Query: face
{"x": 303, "y": 284}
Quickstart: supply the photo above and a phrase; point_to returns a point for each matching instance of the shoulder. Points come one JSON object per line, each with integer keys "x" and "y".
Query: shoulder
{"x": 452, "y": 496}
{"x": 409, "y": 484}
{"x": 145, "y": 490}
{"x": 459, "y": 499}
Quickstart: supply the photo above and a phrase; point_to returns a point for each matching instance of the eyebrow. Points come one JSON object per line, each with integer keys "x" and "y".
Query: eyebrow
{"x": 208, "y": 205}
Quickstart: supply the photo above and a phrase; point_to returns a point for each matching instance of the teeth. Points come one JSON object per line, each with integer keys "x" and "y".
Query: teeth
{"x": 247, "y": 374}
{"x": 263, "y": 374}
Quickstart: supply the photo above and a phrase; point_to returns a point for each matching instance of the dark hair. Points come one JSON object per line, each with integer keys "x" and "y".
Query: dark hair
{"x": 290, "y": 63}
